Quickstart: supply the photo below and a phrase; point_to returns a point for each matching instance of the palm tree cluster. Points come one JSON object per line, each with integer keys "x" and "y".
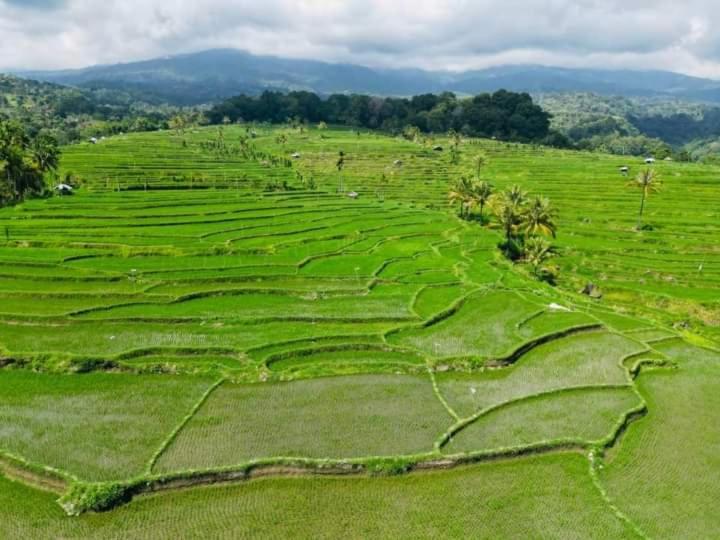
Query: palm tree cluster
{"x": 470, "y": 195}
{"x": 526, "y": 222}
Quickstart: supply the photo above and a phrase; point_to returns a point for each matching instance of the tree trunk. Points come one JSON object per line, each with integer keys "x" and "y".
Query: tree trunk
{"x": 642, "y": 207}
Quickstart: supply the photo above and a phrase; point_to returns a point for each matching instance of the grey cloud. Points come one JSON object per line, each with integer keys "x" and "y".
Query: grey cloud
{"x": 662, "y": 34}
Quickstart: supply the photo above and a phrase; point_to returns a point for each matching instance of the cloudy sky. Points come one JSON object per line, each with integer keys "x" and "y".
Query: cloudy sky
{"x": 674, "y": 35}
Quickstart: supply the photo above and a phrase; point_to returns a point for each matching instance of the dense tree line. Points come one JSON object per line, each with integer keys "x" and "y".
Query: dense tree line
{"x": 631, "y": 126}
{"x": 24, "y": 162}
{"x": 680, "y": 128}
{"x": 504, "y": 115}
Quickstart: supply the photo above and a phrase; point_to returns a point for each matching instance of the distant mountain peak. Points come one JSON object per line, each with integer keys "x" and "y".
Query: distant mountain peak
{"x": 214, "y": 74}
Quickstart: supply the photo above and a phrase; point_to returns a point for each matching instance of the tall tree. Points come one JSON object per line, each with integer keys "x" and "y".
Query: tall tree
{"x": 482, "y": 193}
{"x": 45, "y": 152}
{"x": 462, "y": 193}
{"x": 508, "y": 209}
{"x": 539, "y": 218}
{"x": 537, "y": 251}
{"x": 24, "y": 162}
{"x": 647, "y": 181}
{"x": 479, "y": 161}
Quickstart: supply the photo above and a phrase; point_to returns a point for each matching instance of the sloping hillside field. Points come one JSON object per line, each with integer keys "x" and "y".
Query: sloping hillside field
{"x": 211, "y": 339}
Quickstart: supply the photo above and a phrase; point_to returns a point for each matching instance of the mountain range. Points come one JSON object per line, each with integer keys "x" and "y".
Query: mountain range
{"x": 208, "y": 76}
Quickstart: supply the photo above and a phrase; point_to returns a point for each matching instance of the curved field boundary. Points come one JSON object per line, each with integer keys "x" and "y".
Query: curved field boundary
{"x": 514, "y": 356}
{"x": 465, "y": 422}
{"x": 300, "y": 353}
{"x": 82, "y": 497}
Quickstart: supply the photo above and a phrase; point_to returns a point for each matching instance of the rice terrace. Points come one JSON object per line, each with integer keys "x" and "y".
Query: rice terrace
{"x": 434, "y": 296}
{"x": 198, "y": 331}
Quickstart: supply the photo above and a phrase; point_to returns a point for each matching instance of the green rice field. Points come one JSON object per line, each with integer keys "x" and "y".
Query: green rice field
{"x": 220, "y": 344}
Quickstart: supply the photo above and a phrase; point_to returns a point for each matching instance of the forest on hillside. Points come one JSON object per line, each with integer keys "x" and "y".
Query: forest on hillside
{"x": 503, "y": 115}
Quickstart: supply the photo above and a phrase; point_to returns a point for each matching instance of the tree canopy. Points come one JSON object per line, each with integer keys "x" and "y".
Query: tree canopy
{"x": 504, "y": 115}
{"x": 24, "y": 161}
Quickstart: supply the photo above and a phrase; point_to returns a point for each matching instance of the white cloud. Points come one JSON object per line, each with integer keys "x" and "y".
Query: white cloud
{"x": 451, "y": 34}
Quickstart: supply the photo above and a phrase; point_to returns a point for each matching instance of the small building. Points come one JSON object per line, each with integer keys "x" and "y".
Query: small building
{"x": 398, "y": 162}
{"x": 649, "y": 161}
{"x": 295, "y": 155}
{"x": 624, "y": 170}
{"x": 93, "y": 140}
{"x": 64, "y": 189}
{"x": 353, "y": 194}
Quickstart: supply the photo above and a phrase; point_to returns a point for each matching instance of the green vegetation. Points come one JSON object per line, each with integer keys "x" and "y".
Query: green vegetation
{"x": 416, "y": 506}
{"x": 344, "y": 417}
{"x": 70, "y": 113}
{"x": 672, "y": 455}
{"x": 503, "y": 114}
{"x": 24, "y": 162}
{"x": 98, "y": 426}
{"x": 647, "y": 182}
{"x": 582, "y": 360}
{"x": 587, "y": 414}
{"x": 201, "y": 312}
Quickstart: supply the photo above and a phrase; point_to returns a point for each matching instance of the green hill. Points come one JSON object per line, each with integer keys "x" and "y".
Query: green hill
{"x": 224, "y": 333}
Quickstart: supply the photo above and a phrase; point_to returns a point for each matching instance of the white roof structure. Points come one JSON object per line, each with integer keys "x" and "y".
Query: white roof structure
{"x": 63, "y": 187}
{"x": 353, "y": 194}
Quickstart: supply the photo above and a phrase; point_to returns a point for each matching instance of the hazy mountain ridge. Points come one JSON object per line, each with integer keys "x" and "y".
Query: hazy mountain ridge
{"x": 216, "y": 74}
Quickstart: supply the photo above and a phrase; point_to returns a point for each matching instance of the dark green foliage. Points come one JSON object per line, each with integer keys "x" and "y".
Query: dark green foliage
{"x": 71, "y": 114}
{"x": 98, "y": 497}
{"x": 503, "y": 115}
{"x": 24, "y": 162}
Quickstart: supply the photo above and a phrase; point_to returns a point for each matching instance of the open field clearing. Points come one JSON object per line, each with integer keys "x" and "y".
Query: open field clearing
{"x": 550, "y": 496}
{"x": 96, "y": 426}
{"x": 588, "y": 414}
{"x": 666, "y": 473}
{"x": 586, "y": 359}
{"x": 335, "y": 417}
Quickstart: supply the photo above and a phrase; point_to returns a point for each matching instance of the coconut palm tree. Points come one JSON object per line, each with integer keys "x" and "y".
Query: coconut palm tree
{"x": 45, "y": 153}
{"x": 517, "y": 195}
{"x": 537, "y": 251}
{"x": 479, "y": 161}
{"x": 539, "y": 218}
{"x": 462, "y": 193}
{"x": 648, "y": 181}
{"x": 340, "y": 165}
{"x": 508, "y": 210}
{"x": 481, "y": 193}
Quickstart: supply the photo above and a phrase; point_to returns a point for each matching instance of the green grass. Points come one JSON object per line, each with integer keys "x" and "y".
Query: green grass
{"x": 351, "y": 356}
{"x": 483, "y": 326}
{"x": 539, "y": 497}
{"x": 96, "y": 426}
{"x": 334, "y": 309}
{"x": 336, "y": 417}
{"x": 582, "y": 416}
{"x": 666, "y": 473}
{"x": 589, "y": 359}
